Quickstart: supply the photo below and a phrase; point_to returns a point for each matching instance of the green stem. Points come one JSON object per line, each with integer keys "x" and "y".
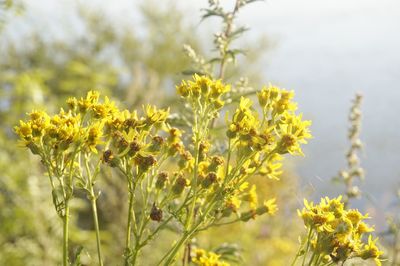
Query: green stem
{"x": 65, "y": 234}
{"x": 96, "y": 226}
{"x": 295, "y": 259}
{"x": 170, "y": 256}
{"x": 193, "y": 205}
{"x": 311, "y": 259}
{"x": 129, "y": 229}
{"x": 317, "y": 259}
{"x": 308, "y": 246}
{"x": 92, "y": 197}
{"x": 227, "y": 34}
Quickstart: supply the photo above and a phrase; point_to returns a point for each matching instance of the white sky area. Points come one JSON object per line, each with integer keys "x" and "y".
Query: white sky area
{"x": 326, "y": 50}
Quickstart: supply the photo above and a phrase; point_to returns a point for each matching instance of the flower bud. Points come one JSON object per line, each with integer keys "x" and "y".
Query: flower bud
{"x": 216, "y": 162}
{"x": 134, "y": 147}
{"x": 204, "y": 147}
{"x": 145, "y": 162}
{"x": 179, "y": 184}
{"x": 34, "y": 148}
{"x": 232, "y": 131}
{"x": 156, "y": 213}
{"x": 246, "y": 216}
{"x": 162, "y": 179}
{"x": 209, "y": 180}
{"x": 156, "y": 143}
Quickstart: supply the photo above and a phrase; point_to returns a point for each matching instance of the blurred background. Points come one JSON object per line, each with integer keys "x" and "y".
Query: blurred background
{"x": 132, "y": 50}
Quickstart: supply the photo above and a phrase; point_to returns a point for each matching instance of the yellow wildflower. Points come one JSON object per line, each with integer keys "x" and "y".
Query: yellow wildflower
{"x": 204, "y": 258}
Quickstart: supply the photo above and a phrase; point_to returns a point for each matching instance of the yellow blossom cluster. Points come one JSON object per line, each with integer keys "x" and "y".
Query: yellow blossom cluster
{"x": 262, "y": 139}
{"x": 81, "y": 126}
{"x": 337, "y": 234}
{"x": 204, "y": 89}
{"x": 204, "y": 258}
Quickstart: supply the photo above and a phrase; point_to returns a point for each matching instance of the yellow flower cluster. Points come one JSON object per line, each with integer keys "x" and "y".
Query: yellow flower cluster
{"x": 261, "y": 142}
{"x": 336, "y": 233}
{"x": 67, "y": 129}
{"x": 204, "y": 89}
{"x": 204, "y": 258}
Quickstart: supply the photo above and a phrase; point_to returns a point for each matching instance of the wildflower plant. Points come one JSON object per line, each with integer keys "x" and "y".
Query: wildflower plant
{"x": 188, "y": 183}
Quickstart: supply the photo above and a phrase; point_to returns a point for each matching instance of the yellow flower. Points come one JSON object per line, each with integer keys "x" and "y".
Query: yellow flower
{"x": 103, "y": 110}
{"x": 268, "y": 207}
{"x": 293, "y": 132}
{"x": 183, "y": 89}
{"x": 268, "y": 95}
{"x": 273, "y": 168}
{"x": 244, "y": 120}
{"x": 92, "y": 97}
{"x": 154, "y": 115}
{"x": 94, "y": 136}
{"x": 24, "y": 130}
{"x": 201, "y": 82}
{"x": 204, "y": 258}
{"x": 355, "y": 217}
{"x": 218, "y": 89}
{"x": 175, "y": 135}
{"x": 371, "y": 251}
{"x": 277, "y": 100}
{"x": 364, "y": 228}
{"x": 284, "y": 103}
{"x": 204, "y": 88}
{"x": 251, "y": 197}
{"x": 233, "y": 203}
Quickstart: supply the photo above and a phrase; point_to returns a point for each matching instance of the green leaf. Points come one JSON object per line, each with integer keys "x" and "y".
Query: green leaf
{"x": 191, "y": 72}
{"x": 212, "y": 13}
{"x": 77, "y": 257}
{"x": 236, "y": 34}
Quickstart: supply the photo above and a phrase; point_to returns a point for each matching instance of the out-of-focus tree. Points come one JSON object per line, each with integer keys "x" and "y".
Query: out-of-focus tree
{"x": 41, "y": 73}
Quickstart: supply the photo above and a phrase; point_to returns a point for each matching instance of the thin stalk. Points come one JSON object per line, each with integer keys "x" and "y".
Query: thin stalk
{"x": 65, "y": 234}
{"x": 96, "y": 226}
{"x": 308, "y": 246}
{"x": 129, "y": 228}
{"x": 311, "y": 259}
{"x": 317, "y": 259}
{"x": 227, "y": 34}
{"x": 170, "y": 256}
{"x": 94, "y": 207}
